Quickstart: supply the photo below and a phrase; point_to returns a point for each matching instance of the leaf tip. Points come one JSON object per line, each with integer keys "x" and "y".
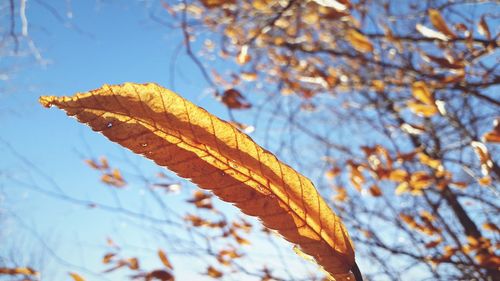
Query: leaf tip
{"x": 47, "y": 101}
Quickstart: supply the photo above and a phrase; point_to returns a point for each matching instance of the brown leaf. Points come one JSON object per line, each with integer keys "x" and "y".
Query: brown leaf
{"x": 375, "y": 191}
{"x": 164, "y": 259}
{"x": 439, "y": 23}
{"x": 444, "y": 62}
{"x": 108, "y": 257}
{"x": 175, "y": 133}
{"x": 161, "y": 275}
{"x": 489, "y": 226}
{"x": 17, "y": 271}
{"x": 359, "y": 41}
{"x": 235, "y": 100}
{"x": 201, "y": 200}
{"x": 76, "y": 276}
{"x": 214, "y": 273}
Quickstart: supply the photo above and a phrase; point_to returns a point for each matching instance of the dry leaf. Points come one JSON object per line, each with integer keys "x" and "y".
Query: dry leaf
{"x": 489, "y": 226}
{"x": 108, "y": 257}
{"x": 483, "y": 28}
{"x": 338, "y": 6}
{"x": 422, "y": 93}
{"x": 216, "y": 3}
{"x": 421, "y": 109}
{"x": 214, "y": 273}
{"x": 484, "y": 156}
{"x": 164, "y": 259}
{"x": 439, "y": 23}
{"x": 425, "y": 105}
{"x": 17, "y": 270}
{"x": 431, "y": 33}
{"x": 175, "y": 133}
{"x": 243, "y": 56}
{"x": 359, "y": 41}
{"x": 76, "y": 277}
{"x": 235, "y": 100}
{"x": 375, "y": 191}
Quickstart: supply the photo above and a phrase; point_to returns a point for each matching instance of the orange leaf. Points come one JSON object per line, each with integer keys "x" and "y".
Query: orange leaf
{"x": 17, "y": 270}
{"x": 214, "y": 273}
{"x": 107, "y": 258}
{"x": 216, "y": 3}
{"x": 175, "y": 133}
{"x": 164, "y": 259}
{"x": 359, "y": 41}
{"x": 491, "y": 227}
{"x": 439, "y": 23}
{"x": 375, "y": 191}
{"x": 398, "y": 175}
{"x": 76, "y": 277}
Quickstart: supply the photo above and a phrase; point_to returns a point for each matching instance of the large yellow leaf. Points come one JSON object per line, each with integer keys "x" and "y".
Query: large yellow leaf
{"x": 175, "y": 133}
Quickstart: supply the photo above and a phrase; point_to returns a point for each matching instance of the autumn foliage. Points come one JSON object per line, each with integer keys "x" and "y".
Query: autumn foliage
{"x": 168, "y": 129}
{"x": 391, "y": 107}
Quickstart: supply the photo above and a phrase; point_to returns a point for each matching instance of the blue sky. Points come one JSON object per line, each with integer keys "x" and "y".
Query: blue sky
{"x": 102, "y": 42}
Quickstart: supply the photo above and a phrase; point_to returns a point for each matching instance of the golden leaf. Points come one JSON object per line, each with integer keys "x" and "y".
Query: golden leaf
{"x": 439, "y": 23}
{"x": 263, "y": 5}
{"x": 431, "y": 162}
{"x": 398, "y": 175}
{"x": 76, "y": 277}
{"x": 421, "y": 109}
{"x": 485, "y": 181}
{"x": 359, "y": 41}
{"x": 216, "y": 3}
{"x": 175, "y": 133}
{"x": 249, "y": 76}
{"x": 489, "y": 226}
{"x": 422, "y": 93}
{"x": 17, "y": 270}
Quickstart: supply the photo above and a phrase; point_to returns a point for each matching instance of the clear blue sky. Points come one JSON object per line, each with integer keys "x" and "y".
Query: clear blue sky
{"x": 102, "y": 42}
